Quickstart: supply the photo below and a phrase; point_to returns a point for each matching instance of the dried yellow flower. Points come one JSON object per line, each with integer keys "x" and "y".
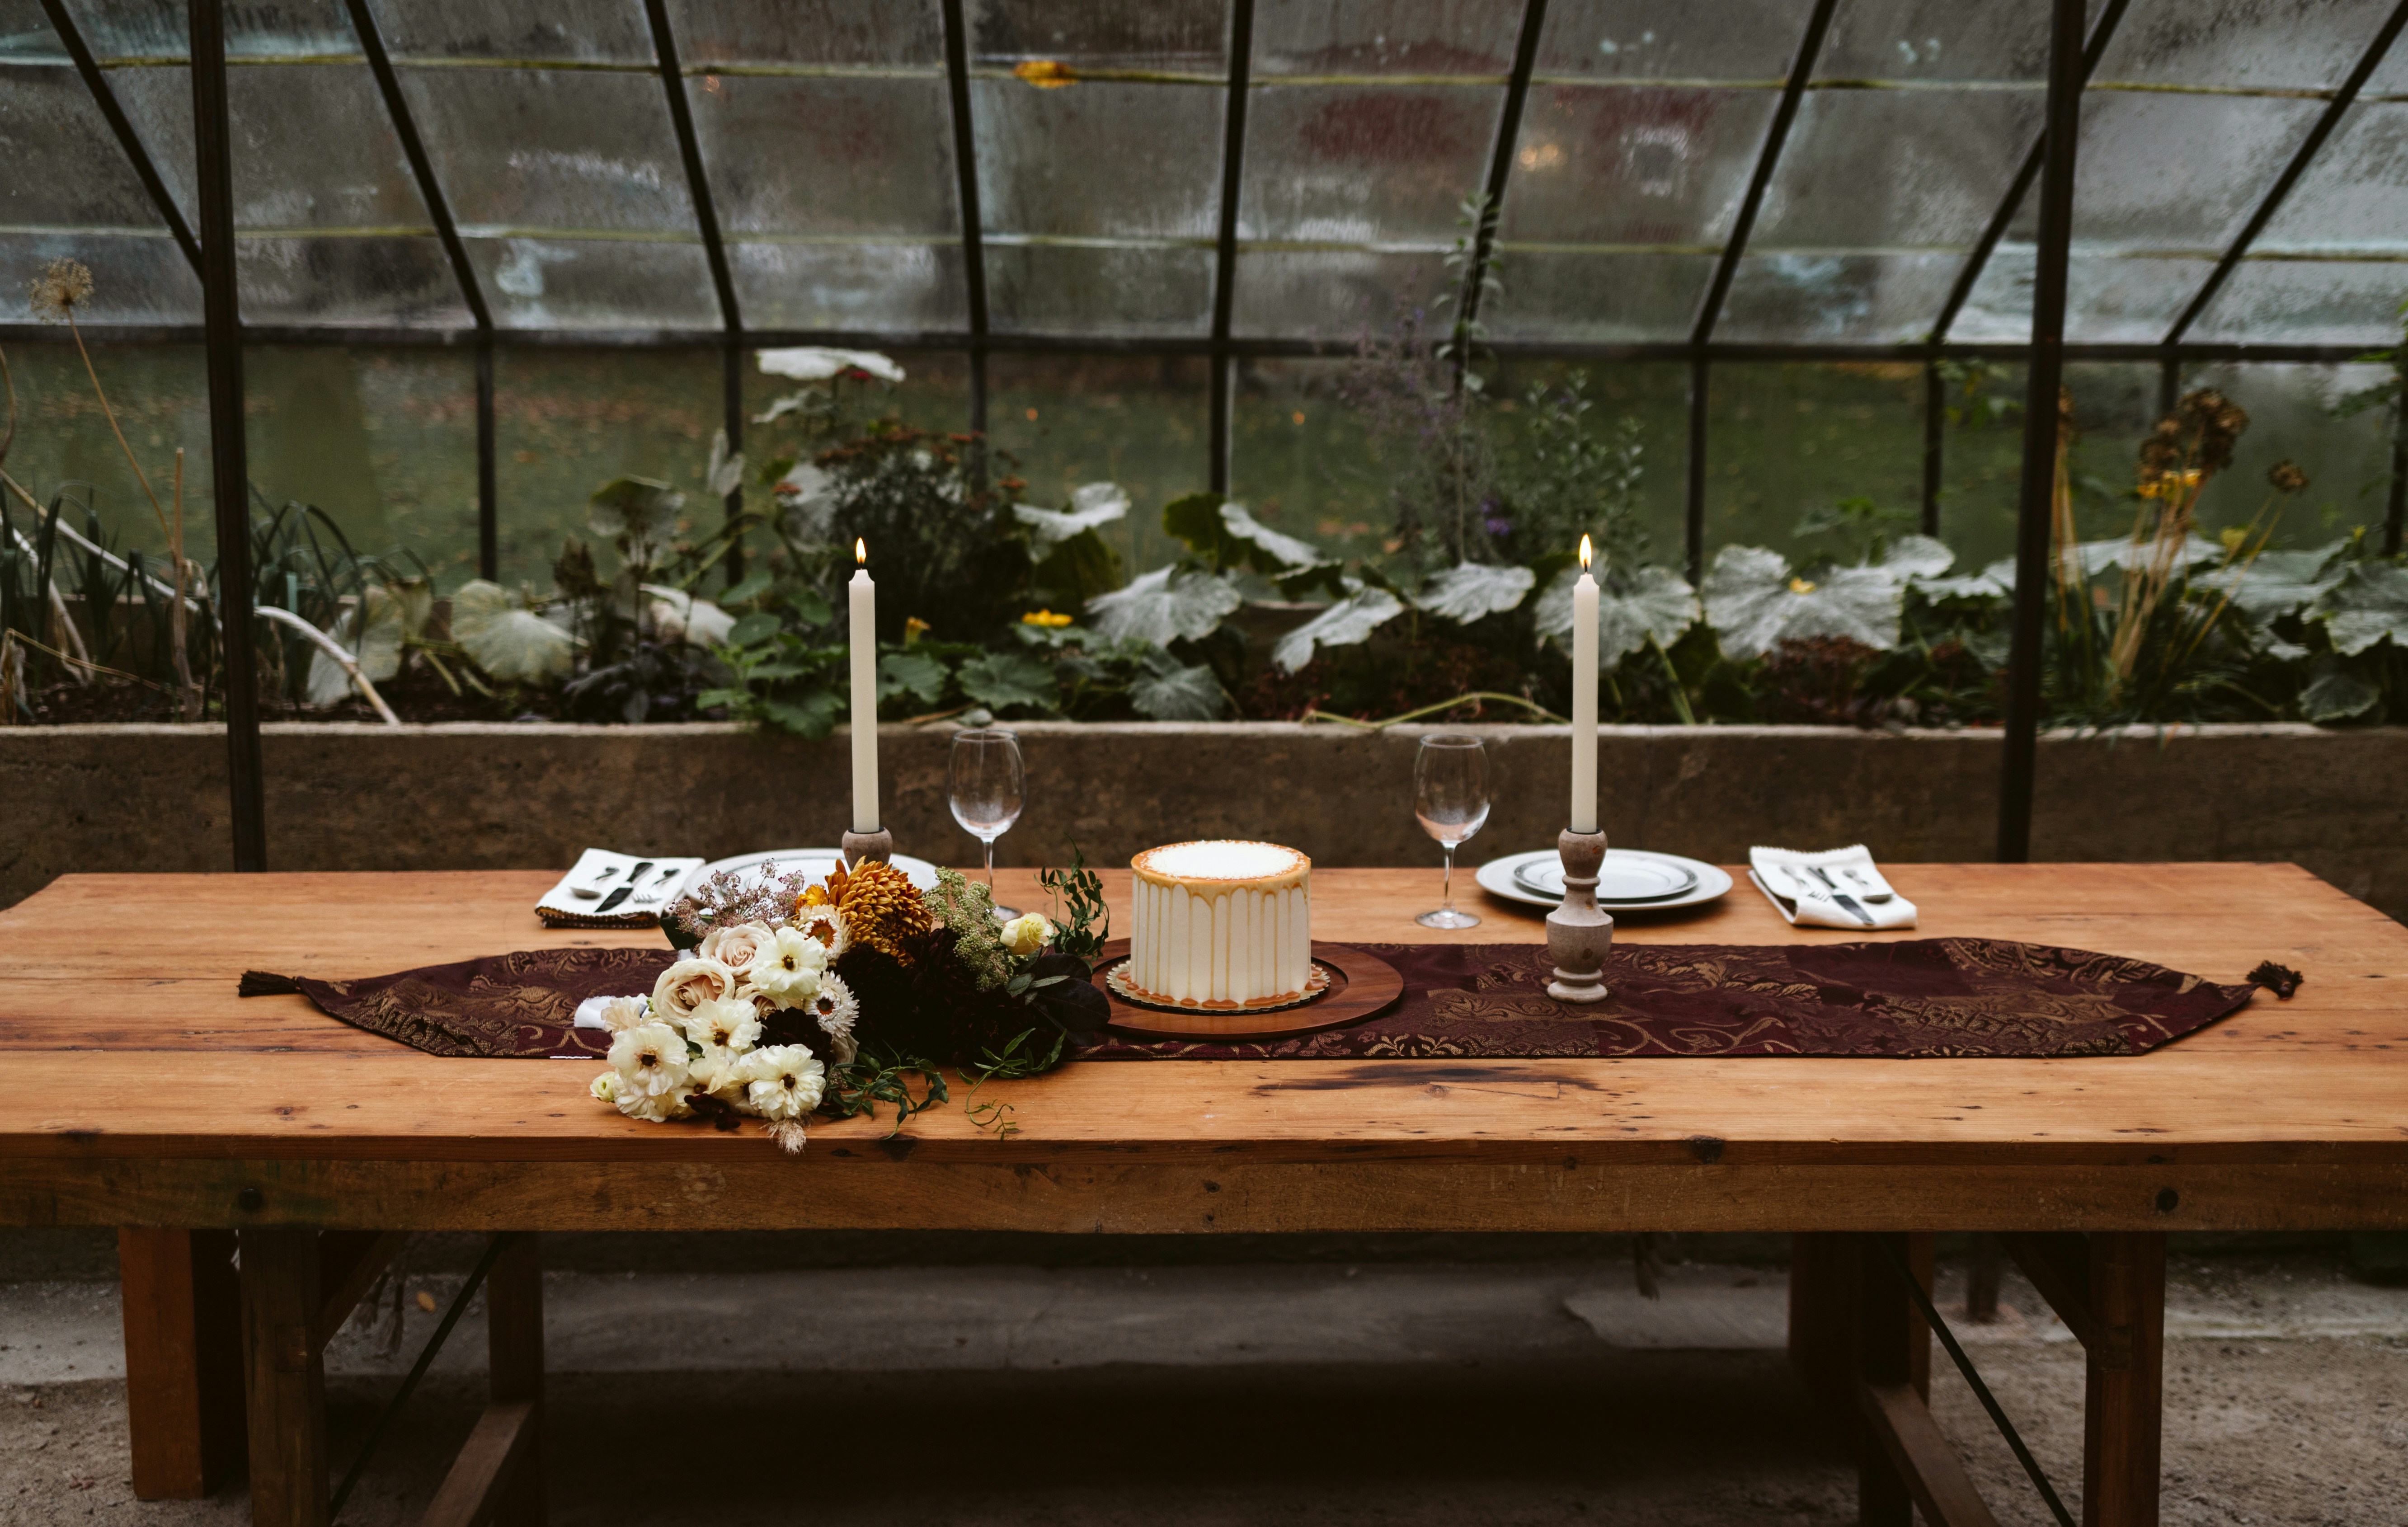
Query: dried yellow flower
{"x": 881, "y": 907}
{"x": 62, "y": 286}
{"x": 2287, "y": 476}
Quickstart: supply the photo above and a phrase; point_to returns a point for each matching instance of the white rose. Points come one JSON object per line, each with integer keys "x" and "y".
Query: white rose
{"x": 605, "y": 1087}
{"x": 734, "y": 947}
{"x": 687, "y": 985}
{"x": 780, "y": 1082}
{"x": 789, "y": 967}
{"x": 1026, "y": 933}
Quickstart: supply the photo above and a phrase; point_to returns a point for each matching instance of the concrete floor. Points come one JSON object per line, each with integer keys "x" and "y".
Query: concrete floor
{"x": 1325, "y": 1393}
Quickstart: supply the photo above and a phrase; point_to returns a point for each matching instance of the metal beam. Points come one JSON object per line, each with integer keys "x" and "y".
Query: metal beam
{"x": 229, "y": 470}
{"x": 2395, "y": 518}
{"x": 1935, "y": 435}
{"x": 690, "y": 339}
{"x": 2100, "y": 35}
{"x": 131, "y": 141}
{"x": 957, "y": 83}
{"x": 1500, "y": 170}
{"x": 1225, "y": 257}
{"x": 1809, "y": 47}
{"x": 439, "y": 211}
{"x": 1693, "y": 520}
{"x": 2330, "y": 119}
{"x": 706, "y": 217}
{"x": 2034, "y": 516}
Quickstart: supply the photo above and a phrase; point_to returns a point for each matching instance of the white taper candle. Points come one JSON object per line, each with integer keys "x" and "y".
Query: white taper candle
{"x": 1585, "y": 697}
{"x": 865, "y": 694}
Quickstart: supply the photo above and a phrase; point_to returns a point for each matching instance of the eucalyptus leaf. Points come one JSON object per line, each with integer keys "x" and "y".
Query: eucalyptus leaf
{"x": 2369, "y": 603}
{"x": 1754, "y": 602}
{"x": 1345, "y": 623}
{"x": 1465, "y": 593}
{"x": 1631, "y": 608}
{"x": 1001, "y": 679}
{"x": 1183, "y": 694}
{"x": 1164, "y": 606}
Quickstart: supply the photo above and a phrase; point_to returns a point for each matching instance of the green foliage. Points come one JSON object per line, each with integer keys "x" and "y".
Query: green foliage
{"x": 1082, "y": 924}
{"x": 873, "y": 1076}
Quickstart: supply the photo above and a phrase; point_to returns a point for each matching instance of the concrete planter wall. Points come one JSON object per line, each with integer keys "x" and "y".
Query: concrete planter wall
{"x": 469, "y": 797}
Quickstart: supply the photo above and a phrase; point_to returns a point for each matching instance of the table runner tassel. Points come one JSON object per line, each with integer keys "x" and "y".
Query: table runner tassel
{"x": 262, "y": 983}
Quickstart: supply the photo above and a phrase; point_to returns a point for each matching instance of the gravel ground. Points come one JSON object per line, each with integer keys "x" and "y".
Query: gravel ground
{"x": 1530, "y": 1400}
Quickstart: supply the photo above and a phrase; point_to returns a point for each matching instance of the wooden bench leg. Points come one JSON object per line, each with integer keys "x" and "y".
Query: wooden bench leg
{"x": 183, "y": 1361}
{"x": 514, "y": 1315}
{"x": 2124, "y": 1404}
{"x": 1893, "y": 1348}
{"x": 285, "y": 1376}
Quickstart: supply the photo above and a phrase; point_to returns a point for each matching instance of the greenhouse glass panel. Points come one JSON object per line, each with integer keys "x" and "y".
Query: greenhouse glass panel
{"x": 516, "y": 30}
{"x": 133, "y": 30}
{"x": 1141, "y": 421}
{"x": 1893, "y": 169}
{"x": 863, "y": 285}
{"x": 2347, "y": 460}
{"x": 564, "y": 152}
{"x": 1098, "y": 160}
{"x": 2241, "y": 44}
{"x": 2354, "y": 198}
{"x": 25, "y": 35}
{"x": 1180, "y": 36}
{"x": 134, "y": 279}
{"x": 70, "y": 169}
{"x": 550, "y": 283}
{"x": 1671, "y": 40}
{"x": 64, "y": 445}
{"x": 1925, "y": 40}
{"x": 1837, "y": 297}
{"x": 1365, "y": 164}
{"x": 1075, "y": 290}
{"x": 1303, "y": 459}
{"x": 2308, "y": 302}
{"x": 1388, "y": 38}
{"x": 934, "y": 395}
{"x": 1786, "y": 438}
{"x": 2109, "y": 298}
{"x": 826, "y": 155}
{"x": 832, "y": 33}
{"x": 349, "y": 281}
{"x": 1333, "y": 293}
{"x": 1615, "y": 165}
{"x": 1596, "y": 298}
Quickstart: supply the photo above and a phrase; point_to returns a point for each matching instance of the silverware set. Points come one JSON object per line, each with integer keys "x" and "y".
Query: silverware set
{"x": 601, "y": 888}
{"x": 1831, "y": 887}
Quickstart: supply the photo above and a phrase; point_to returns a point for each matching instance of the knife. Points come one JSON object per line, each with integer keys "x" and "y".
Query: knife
{"x": 1847, "y": 903}
{"x": 633, "y": 875}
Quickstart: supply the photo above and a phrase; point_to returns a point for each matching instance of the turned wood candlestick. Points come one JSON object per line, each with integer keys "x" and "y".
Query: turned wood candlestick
{"x": 1578, "y": 935}
{"x": 863, "y": 845}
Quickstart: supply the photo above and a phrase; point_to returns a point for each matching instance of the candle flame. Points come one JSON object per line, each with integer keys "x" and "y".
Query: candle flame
{"x": 1583, "y": 553}
{"x": 861, "y": 552}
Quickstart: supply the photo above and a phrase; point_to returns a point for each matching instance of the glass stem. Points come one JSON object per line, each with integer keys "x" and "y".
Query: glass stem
{"x": 989, "y": 844}
{"x": 1446, "y": 881}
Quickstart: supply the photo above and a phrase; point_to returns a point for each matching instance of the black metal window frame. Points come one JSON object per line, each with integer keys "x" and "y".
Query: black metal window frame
{"x": 2071, "y": 71}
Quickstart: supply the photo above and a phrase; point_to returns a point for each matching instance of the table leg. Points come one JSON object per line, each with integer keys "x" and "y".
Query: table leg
{"x": 2124, "y": 1403}
{"x": 1823, "y": 1314}
{"x": 514, "y": 1323}
{"x": 285, "y": 1376}
{"x": 1893, "y": 1347}
{"x": 183, "y": 1361}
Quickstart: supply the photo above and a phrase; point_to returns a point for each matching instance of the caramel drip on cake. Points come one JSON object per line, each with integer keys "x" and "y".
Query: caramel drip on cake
{"x": 1222, "y": 923}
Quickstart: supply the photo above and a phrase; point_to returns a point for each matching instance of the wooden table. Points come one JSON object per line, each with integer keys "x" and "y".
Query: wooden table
{"x": 147, "y": 1096}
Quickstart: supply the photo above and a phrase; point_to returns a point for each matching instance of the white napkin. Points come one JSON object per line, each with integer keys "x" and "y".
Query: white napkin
{"x": 563, "y": 907}
{"x": 1789, "y": 881}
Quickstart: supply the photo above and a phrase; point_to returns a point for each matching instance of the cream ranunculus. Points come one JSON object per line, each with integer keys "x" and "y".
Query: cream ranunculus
{"x": 724, "y": 1026}
{"x": 788, "y": 967}
{"x": 734, "y": 947}
{"x": 648, "y": 1062}
{"x": 605, "y": 1087}
{"x": 620, "y": 1014}
{"x": 1026, "y": 933}
{"x": 687, "y": 985}
{"x": 780, "y": 1082}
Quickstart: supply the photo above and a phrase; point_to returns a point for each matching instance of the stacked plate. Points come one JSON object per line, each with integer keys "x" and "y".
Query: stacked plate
{"x": 1631, "y": 880}
{"x": 815, "y": 862}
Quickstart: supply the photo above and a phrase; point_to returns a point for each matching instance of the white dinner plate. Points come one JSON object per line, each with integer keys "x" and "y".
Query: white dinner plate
{"x": 1630, "y": 880}
{"x": 817, "y": 862}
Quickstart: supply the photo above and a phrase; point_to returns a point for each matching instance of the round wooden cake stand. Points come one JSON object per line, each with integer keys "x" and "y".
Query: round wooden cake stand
{"x": 1360, "y": 985}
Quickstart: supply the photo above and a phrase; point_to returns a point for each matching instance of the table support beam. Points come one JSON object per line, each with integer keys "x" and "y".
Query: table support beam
{"x": 514, "y": 1347}
{"x": 183, "y": 1361}
{"x": 1893, "y": 1364}
{"x": 2124, "y": 1394}
{"x": 285, "y": 1376}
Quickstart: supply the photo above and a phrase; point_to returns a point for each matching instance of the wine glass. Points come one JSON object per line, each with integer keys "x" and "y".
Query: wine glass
{"x": 986, "y": 784}
{"x": 1451, "y": 802}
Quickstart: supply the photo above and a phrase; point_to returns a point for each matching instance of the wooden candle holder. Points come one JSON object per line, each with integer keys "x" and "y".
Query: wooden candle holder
{"x": 1577, "y": 934}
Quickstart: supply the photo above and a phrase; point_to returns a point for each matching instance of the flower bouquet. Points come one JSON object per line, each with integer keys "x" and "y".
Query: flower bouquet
{"x": 793, "y": 999}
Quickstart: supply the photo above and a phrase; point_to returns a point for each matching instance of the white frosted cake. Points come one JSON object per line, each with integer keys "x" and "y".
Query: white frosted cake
{"x": 1222, "y": 923}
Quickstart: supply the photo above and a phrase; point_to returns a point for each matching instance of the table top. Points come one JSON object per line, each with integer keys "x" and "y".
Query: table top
{"x": 126, "y": 1040}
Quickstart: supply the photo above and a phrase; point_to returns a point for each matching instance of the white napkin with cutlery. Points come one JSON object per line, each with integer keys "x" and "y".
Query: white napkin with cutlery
{"x": 1840, "y": 887}
{"x": 577, "y": 901}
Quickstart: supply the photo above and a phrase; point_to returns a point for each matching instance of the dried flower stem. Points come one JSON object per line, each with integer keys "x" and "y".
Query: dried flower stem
{"x": 188, "y": 693}
{"x": 110, "y": 414}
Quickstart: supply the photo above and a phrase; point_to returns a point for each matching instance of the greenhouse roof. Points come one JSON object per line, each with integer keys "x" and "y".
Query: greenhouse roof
{"x": 1201, "y": 174}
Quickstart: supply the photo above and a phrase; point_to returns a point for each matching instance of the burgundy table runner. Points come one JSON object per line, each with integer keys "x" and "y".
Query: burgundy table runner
{"x": 1912, "y": 998}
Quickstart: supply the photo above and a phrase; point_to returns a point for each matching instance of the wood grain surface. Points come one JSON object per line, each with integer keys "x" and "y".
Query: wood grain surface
{"x": 129, "y": 1047}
